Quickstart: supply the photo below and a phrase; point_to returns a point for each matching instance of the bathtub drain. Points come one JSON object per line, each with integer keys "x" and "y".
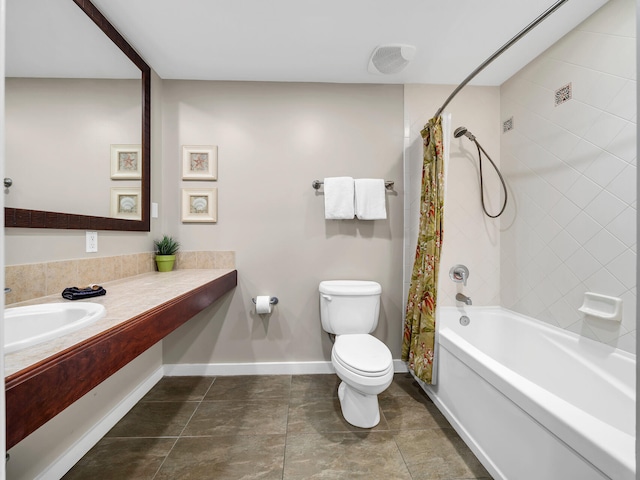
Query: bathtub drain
{"x": 464, "y": 320}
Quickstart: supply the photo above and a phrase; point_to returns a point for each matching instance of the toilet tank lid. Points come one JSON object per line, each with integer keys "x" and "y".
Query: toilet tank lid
{"x": 350, "y": 287}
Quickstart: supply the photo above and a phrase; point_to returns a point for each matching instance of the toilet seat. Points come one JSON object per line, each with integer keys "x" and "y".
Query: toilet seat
{"x": 362, "y": 354}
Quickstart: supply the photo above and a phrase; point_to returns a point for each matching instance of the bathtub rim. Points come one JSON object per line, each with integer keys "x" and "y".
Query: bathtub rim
{"x": 465, "y": 310}
{"x": 579, "y": 430}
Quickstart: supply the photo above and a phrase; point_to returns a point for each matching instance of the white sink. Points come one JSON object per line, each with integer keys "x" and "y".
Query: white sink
{"x": 33, "y": 324}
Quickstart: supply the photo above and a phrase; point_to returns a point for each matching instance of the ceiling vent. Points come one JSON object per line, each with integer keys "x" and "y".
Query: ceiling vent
{"x": 390, "y": 59}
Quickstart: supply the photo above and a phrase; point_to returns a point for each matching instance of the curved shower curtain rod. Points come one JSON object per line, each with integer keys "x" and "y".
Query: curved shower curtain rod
{"x": 500, "y": 51}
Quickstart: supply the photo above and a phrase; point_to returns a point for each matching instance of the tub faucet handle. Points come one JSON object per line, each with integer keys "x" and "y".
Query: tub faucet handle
{"x": 459, "y": 274}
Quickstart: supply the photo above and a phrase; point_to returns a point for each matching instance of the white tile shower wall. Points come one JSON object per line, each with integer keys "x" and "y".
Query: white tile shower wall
{"x": 470, "y": 238}
{"x": 571, "y": 169}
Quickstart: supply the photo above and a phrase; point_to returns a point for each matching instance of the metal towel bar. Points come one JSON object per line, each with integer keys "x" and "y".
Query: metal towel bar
{"x": 388, "y": 184}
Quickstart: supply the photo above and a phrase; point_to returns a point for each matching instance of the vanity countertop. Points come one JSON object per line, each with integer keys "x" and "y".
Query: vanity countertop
{"x": 125, "y": 299}
{"x": 43, "y": 380}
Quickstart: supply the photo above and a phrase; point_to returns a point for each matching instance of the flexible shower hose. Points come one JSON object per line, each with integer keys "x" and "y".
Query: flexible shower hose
{"x": 504, "y": 186}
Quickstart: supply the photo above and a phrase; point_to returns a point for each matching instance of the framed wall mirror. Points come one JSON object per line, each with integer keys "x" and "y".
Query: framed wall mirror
{"x": 78, "y": 105}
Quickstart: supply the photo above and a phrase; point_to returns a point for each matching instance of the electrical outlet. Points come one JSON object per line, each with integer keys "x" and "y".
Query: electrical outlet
{"x": 92, "y": 242}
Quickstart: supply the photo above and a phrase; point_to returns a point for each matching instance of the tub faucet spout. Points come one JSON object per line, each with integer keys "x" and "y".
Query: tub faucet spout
{"x": 463, "y": 298}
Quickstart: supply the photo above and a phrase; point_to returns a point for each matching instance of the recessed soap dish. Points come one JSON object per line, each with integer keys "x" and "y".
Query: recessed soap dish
{"x": 602, "y": 307}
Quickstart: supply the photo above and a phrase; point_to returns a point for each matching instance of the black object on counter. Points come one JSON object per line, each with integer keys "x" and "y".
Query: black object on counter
{"x": 75, "y": 293}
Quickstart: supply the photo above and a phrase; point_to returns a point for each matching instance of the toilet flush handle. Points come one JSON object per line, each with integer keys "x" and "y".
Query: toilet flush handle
{"x": 326, "y": 297}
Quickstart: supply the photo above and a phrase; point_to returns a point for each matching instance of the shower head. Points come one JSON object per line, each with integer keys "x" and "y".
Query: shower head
{"x": 460, "y": 131}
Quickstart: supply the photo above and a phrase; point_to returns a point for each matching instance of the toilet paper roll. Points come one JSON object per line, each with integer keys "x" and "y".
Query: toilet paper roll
{"x": 263, "y": 304}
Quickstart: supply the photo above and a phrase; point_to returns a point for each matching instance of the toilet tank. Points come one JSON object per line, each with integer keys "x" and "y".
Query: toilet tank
{"x": 349, "y": 306}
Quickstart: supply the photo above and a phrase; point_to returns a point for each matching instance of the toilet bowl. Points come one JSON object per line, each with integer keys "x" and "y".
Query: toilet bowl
{"x": 349, "y": 309}
{"x": 365, "y": 366}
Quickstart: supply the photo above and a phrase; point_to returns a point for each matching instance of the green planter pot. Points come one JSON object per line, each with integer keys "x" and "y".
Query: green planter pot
{"x": 165, "y": 262}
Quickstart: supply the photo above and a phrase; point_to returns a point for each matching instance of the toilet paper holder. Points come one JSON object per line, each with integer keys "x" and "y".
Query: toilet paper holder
{"x": 272, "y": 300}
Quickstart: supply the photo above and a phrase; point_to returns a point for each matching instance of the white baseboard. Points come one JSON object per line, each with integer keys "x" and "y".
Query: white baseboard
{"x": 80, "y": 448}
{"x": 399, "y": 366}
{"x": 262, "y": 368}
{"x": 259, "y": 368}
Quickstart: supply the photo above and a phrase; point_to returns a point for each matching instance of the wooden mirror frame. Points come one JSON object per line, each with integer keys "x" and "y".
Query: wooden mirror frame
{"x": 18, "y": 217}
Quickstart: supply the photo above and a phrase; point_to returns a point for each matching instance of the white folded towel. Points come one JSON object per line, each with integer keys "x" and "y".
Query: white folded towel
{"x": 370, "y": 199}
{"x": 338, "y": 198}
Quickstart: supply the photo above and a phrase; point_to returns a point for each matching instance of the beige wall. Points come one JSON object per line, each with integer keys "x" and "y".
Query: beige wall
{"x": 273, "y": 140}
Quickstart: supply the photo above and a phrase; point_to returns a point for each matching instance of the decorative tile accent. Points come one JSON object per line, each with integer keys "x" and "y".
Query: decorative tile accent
{"x": 507, "y": 125}
{"x": 563, "y": 94}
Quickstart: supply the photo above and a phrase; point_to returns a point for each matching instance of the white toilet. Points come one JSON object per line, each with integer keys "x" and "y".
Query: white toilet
{"x": 349, "y": 309}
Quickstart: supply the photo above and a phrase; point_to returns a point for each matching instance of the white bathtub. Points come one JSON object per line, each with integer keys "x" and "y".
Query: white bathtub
{"x": 534, "y": 401}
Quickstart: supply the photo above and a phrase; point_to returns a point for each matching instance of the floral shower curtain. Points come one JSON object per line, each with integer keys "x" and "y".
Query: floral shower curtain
{"x": 420, "y": 319}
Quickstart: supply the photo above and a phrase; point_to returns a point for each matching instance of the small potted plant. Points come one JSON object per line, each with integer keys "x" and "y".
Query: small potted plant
{"x": 166, "y": 253}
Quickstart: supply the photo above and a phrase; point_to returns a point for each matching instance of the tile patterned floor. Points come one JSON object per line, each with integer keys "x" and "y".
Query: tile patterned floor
{"x": 276, "y": 427}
